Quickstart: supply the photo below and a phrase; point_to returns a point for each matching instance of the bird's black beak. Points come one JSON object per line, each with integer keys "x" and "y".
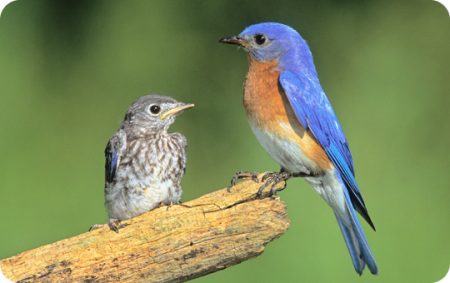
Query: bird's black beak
{"x": 235, "y": 40}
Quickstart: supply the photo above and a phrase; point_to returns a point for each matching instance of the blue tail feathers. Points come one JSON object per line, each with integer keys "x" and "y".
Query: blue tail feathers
{"x": 356, "y": 239}
{"x": 352, "y": 246}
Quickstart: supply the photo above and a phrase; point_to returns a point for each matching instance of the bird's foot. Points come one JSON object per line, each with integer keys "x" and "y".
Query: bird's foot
{"x": 271, "y": 180}
{"x": 242, "y": 175}
{"x": 172, "y": 203}
{"x": 95, "y": 227}
{"x": 115, "y": 225}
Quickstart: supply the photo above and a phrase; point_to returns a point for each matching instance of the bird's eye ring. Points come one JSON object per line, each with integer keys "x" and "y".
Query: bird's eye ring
{"x": 154, "y": 109}
{"x": 260, "y": 39}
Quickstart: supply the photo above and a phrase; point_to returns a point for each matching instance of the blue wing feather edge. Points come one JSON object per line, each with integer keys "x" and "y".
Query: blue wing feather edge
{"x": 313, "y": 110}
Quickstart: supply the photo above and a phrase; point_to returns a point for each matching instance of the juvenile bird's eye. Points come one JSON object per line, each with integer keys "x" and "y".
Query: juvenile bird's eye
{"x": 260, "y": 39}
{"x": 154, "y": 109}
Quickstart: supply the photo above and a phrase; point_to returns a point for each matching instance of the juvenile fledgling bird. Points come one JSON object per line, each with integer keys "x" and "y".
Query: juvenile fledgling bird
{"x": 294, "y": 121}
{"x": 144, "y": 162}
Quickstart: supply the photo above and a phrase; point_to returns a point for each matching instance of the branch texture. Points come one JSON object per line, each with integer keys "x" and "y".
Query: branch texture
{"x": 168, "y": 244}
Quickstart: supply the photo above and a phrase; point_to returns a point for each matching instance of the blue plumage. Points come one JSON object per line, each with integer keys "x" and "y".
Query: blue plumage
{"x": 359, "y": 245}
{"x": 299, "y": 83}
{"x": 314, "y": 112}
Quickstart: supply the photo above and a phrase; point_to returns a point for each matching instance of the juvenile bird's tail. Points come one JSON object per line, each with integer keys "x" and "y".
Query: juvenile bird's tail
{"x": 355, "y": 238}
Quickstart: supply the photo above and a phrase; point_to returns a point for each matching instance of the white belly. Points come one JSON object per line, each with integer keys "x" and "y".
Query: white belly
{"x": 125, "y": 200}
{"x": 331, "y": 190}
{"x": 285, "y": 152}
{"x": 291, "y": 157}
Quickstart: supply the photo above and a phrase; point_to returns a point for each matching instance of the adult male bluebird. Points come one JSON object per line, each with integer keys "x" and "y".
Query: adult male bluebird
{"x": 294, "y": 121}
{"x": 144, "y": 163}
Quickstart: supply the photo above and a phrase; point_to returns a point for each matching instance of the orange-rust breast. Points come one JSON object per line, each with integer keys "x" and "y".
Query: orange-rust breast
{"x": 267, "y": 108}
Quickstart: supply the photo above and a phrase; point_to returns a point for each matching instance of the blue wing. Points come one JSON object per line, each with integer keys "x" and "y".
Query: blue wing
{"x": 313, "y": 110}
{"x": 113, "y": 153}
{"x": 111, "y": 162}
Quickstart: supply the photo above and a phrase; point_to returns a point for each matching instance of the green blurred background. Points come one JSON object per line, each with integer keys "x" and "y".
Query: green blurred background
{"x": 70, "y": 69}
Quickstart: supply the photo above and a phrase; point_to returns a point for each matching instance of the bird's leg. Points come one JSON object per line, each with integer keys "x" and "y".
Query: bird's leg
{"x": 166, "y": 205}
{"x": 172, "y": 203}
{"x": 310, "y": 174}
{"x": 114, "y": 224}
{"x": 240, "y": 175}
{"x": 95, "y": 227}
{"x": 271, "y": 179}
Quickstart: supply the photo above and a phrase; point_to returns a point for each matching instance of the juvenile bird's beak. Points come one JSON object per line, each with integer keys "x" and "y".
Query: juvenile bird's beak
{"x": 176, "y": 110}
{"x": 235, "y": 40}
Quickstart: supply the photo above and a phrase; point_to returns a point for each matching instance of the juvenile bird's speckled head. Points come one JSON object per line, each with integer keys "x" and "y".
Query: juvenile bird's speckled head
{"x": 275, "y": 41}
{"x": 153, "y": 113}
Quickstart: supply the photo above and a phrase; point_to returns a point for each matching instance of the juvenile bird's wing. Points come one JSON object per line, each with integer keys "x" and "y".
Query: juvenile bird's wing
{"x": 313, "y": 110}
{"x": 182, "y": 143}
{"x": 113, "y": 153}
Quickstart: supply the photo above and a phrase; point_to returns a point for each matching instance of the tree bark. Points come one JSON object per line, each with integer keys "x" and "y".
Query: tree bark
{"x": 168, "y": 244}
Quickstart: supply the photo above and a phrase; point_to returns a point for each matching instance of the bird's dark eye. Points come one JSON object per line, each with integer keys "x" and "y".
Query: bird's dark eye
{"x": 260, "y": 39}
{"x": 154, "y": 109}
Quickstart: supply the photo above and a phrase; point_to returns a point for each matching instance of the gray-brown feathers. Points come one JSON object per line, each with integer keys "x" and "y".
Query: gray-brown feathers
{"x": 144, "y": 163}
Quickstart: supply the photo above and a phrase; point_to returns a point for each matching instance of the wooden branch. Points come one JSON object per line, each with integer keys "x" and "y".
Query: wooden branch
{"x": 173, "y": 244}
